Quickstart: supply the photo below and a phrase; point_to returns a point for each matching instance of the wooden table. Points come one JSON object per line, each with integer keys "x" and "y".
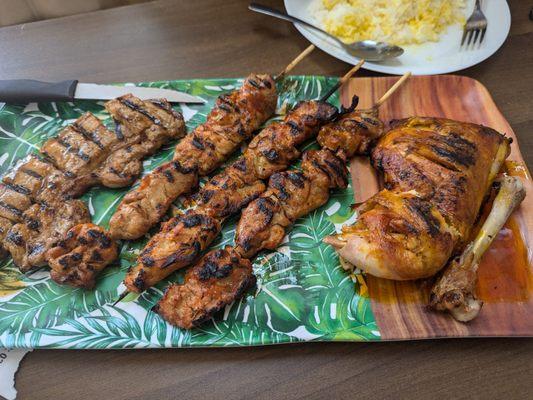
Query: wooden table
{"x": 210, "y": 38}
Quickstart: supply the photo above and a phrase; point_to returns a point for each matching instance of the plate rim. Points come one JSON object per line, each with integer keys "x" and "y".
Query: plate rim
{"x": 400, "y": 70}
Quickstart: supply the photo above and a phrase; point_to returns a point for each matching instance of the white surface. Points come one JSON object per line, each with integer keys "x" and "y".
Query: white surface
{"x": 107, "y": 92}
{"x": 9, "y": 364}
{"x": 429, "y": 58}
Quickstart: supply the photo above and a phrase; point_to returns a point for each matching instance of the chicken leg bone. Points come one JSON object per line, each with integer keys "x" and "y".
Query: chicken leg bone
{"x": 454, "y": 291}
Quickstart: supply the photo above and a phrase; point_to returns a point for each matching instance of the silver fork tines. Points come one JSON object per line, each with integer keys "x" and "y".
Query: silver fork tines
{"x": 475, "y": 27}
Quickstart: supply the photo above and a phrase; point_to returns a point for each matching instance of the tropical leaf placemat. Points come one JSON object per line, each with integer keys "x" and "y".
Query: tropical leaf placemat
{"x": 302, "y": 292}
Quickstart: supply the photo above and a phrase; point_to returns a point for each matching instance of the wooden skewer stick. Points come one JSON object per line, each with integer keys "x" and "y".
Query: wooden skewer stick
{"x": 294, "y": 62}
{"x": 343, "y": 80}
{"x": 392, "y": 89}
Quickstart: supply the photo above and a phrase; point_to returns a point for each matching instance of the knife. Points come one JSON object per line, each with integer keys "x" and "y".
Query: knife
{"x": 28, "y": 90}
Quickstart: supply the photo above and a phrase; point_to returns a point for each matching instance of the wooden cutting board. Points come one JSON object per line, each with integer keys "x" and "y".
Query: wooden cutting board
{"x": 505, "y": 282}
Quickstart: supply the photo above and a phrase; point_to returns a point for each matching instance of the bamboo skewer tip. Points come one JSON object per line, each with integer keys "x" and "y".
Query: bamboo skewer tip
{"x": 391, "y": 90}
{"x": 295, "y": 62}
{"x": 121, "y": 297}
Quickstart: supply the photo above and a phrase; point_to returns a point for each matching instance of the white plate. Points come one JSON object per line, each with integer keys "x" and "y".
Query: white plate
{"x": 439, "y": 57}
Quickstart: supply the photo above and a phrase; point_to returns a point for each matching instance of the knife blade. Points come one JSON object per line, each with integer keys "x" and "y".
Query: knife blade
{"x": 27, "y": 90}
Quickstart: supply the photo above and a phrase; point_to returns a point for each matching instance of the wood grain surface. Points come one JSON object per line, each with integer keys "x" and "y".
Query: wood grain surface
{"x": 400, "y": 308}
{"x": 172, "y": 39}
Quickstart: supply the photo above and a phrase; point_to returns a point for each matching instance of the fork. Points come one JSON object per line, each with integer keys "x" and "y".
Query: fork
{"x": 476, "y": 24}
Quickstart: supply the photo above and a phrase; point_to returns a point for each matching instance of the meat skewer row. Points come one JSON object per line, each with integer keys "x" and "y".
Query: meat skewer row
{"x": 36, "y": 197}
{"x": 214, "y": 282}
{"x": 183, "y": 238}
{"x": 230, "y": 123}
{"x": 234, "y": 118}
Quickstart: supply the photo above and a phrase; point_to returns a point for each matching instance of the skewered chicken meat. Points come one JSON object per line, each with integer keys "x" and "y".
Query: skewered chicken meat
{"x": 353, "y": 133}
{"x": 231, "y": 122}
{"x": 266, "y": 220}
{"x": 179, "y": 244}
{"x": 437, "y": 173}
{"x": 454, "y": 290}
{"x": 290, "y": 195}
{"x": 216, "y": 281}
{"x": 90, "y": 154}
{"x": 36, "y": 195}
{"x": 85, "y": 251}
{"x": 44, "y": 226}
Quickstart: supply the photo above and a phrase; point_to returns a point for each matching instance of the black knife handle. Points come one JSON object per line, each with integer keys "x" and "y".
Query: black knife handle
{"x": 28, "y": 90}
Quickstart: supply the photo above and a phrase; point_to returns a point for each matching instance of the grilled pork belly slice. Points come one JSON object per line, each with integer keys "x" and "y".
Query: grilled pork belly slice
{"x": 290, "y": 195}
{"x": 43, "y": 227}
{"x": 220, "y": 278}
{"x": 231, "y": 122}
{"x": 86, "y": 250}
{"x": 437, "y": 173}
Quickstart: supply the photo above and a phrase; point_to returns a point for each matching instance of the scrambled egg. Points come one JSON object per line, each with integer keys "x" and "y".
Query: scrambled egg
{"x": 399, "y": 22}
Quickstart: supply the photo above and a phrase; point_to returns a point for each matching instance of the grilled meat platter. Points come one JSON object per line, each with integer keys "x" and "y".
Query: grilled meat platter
{"x": 424, "y": 224}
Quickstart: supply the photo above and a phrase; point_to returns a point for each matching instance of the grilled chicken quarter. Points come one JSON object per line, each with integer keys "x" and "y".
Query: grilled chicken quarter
{"x": 437, "y": 173}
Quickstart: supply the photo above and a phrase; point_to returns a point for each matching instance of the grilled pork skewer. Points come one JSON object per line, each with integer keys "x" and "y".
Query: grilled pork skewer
{"x": 181, "y": 240}
{"x": 36, "y": 197}
{"x": 454, "y": 290}
{"x": 266, "y": 220}
{"x": 229, "y": 124}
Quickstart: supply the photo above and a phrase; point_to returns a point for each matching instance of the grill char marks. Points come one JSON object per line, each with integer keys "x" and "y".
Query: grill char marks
{"x": 85, "y": 251}
{"x": 233, "y": 119}
{"x": 276, "y": 146}
{"x": 43, "y": 227}
{"x": 220, "y": 278}
{"x": 193, "y": 231}
{"x": 236, "y": 186}
{"x": 353, "y": 132}
{"x": 83, "y": 154}
{"x": 290, "y": 195}
{"x": 437, "y": 173}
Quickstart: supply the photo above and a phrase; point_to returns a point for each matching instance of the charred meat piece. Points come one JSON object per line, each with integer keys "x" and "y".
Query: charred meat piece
{"x": 22, "y": 186}
{"x": 139, "y": 207}
{"x": 86, "y": 250}
{"x": 231, "y": 122}
{"x": 73, "y": 151}
{"x": 144, "y": 127}
{"x": 290, "y": 195}
{"x": 90, "y": 154}
{"x": 180, "y": 242}
{"x": 220, "y": 278}
{"x": 42, "y": 228}
{"x": 353, "y": 132}
{"x": 231, "y": 190}
{"x": 437, "y": 173}
{"x": 5, "y": 226}
{"x": 276, "y": 146}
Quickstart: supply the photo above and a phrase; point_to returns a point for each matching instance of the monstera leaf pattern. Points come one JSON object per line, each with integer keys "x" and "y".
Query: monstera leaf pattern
{"x": 302, "y": 292}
